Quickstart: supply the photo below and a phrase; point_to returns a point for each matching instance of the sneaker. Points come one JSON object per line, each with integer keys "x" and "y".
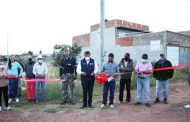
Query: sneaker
{"x": 148, "y": 105}
{"x": 17, "y": 100}
{"x": 36, "y": 101}
{"x": 103, "y": 106}
{"x": 165, "y": 101}
{"x": 157, "y": 101}
{"x": 0, "y": 108}
{"x": 138, "y": 103}
{"x": 120, "y": 102}
{"x": 8, "y": 108}
{"x": 130, "y": 102}
{"x": 83, "y": 107}
{"x": 10, "y": 100}
{"x": 112, "y": 106}
{"x": 43, "y": 100}
{"x": 187, "y": 106}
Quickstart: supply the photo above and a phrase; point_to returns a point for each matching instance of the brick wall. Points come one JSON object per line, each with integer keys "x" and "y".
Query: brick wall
{"x": 121, "y": 23}
{"x": 125, "y": 41}
{"x": 82, "y": 40}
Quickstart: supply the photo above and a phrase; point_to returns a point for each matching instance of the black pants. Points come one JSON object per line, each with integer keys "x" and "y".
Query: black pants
{"x": 4, "y": 91}
{"x": 87, "y": 87}
{"x": 124, "y": 82}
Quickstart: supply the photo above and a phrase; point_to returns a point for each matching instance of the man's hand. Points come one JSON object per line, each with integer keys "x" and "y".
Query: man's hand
{"x": 84, "y": 73}
{"x": 92, "y": 74}
{"x": 146, "y": 72}
{"x": 2, "y": 76}
{"x": 40, "y": 75}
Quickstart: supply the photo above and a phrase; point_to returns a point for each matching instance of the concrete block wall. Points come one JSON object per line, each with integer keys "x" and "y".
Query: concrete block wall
{"x": 82, "y": 40}
{"x": 121, "y": 23}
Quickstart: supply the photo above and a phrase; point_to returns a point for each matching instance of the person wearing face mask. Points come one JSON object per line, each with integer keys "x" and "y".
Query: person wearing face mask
{"x": 68, "y": 73}
{"x": 109, "y": 68}
{"x": 162, "y": 78}
{"x": 12, "y": 69}
{"x": 87, "y": 68}
{"x": 3, "y": 85}
{"x": 17, "y": 59}
{"x": 143, "y": 70}
{"x": 29, "y": 76}
{"x": 125, "y": 66}
{"x": 40, "y": 71}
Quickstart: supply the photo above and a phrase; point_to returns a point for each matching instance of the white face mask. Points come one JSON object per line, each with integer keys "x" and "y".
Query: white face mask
{"x": 40, "y": 61}
{"x": 87, "y": 58}
{"x": 144, "y": 60}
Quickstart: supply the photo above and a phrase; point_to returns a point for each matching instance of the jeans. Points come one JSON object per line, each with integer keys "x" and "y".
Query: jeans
{"x": 143, "y": 83}
{"x": 123, "y": 83}
{"x": 106, "y": 87}
{"x": 13, "y": 88}
{"x": 38, "y": 84}
{"x": 159, "y": 85}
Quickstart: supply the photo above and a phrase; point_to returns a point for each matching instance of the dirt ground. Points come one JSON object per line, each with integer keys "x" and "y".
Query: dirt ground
{"x": 52, "y": 112}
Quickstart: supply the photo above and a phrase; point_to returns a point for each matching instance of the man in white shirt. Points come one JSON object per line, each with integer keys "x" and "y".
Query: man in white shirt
{"x": 87, "y": 68}
{"x": 40, "y": 71}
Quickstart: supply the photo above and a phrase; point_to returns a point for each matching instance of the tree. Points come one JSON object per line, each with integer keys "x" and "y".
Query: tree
{"x": 30, "y": 52}
{"x": 58, "y": 52}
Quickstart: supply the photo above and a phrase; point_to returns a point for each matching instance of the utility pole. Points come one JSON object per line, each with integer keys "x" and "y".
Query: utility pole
{"x": 7, "y": 44}
{"x": 102, "y": 27}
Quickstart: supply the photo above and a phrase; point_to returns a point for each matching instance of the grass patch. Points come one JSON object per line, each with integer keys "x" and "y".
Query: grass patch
{"x": 52, "y": 110}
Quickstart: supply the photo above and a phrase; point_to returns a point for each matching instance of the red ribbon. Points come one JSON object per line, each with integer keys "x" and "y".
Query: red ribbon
{"x": 102, "y": 78}
{"x": 46, "y": 80}
{"x": 11, "y": 76}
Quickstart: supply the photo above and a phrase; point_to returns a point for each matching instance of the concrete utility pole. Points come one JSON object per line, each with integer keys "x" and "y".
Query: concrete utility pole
{"x": 7, "y": 44}
{"x": 102, "y": 26}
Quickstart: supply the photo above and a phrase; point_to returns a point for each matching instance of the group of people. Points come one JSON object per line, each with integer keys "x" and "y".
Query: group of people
{"x": 87, "y": 68}
{"x": 10, "y": 79}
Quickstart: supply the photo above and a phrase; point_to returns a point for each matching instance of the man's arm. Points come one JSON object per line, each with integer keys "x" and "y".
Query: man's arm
{"x": 61, "y": 68}
{"x": 21, "y": 69}
{"x": 95, "y": 67}
{"x": 79, "y": 68}
{"x": 34, "y": 70}
{"x": 171, "y": 71}
{"x": 129, "y": 67}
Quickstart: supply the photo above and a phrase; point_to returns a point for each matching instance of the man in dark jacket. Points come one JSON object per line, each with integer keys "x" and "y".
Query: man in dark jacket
{"x": 126, "y": 66}
{"x": 68, "y": 73}
{"x": 162, "y": 77}
{"x": 29, "y": 76}
{"x": 87, "y": 68}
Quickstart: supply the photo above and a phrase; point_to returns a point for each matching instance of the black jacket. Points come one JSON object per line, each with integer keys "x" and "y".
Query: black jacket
{"x": 68, "y": 65}
{"x": 164, "y": 74}
{"x": 128, "y": 69}
{"x": 29, "y": 69}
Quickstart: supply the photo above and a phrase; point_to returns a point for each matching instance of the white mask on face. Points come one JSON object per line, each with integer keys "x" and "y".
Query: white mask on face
{"x": 40, "y": 61}
{"x": 87, "y": 58}
{"x": 144, "y": 60}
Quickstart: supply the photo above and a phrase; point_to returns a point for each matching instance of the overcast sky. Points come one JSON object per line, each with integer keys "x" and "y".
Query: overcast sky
{"x": 39, "y": 24}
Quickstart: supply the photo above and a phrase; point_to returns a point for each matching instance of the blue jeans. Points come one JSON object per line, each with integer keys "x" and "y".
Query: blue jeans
{"x": 159, "y": 85}
{"x": 143, "y": 83}
{"x": 106, "y": 87}
{"x": 38, "y": 84}
{"x": 13, "y": 88}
